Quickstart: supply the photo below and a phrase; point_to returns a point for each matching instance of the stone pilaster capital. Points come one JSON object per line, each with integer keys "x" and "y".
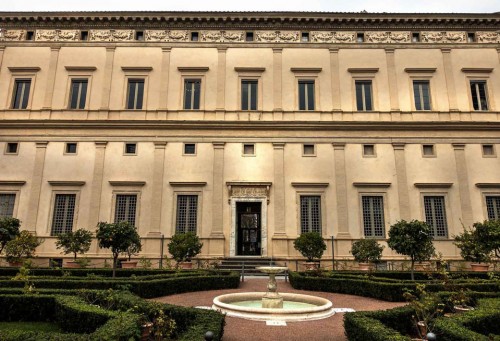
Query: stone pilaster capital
{"x": 458, "y": 146}
{"x": 338, "y": 145}
{"x": 398, "y": 145}
{"x": 333, "y": 50}
{"x": 55, "y": 48}
{"x": 218, "y": 145}
{"x": 101, "y": 144}
{"x": 277, "y": 49}
{"x": 166, "y": 49}
{"x": 110, "y": 48}
{"x": 445, "y": 50}
{"x": 389, "y": 49}
{"x": 160, "y": 144}
{"x": 222, "y": 49}
{"x": 279, "y": 145}
{"x": 41, "y": 144}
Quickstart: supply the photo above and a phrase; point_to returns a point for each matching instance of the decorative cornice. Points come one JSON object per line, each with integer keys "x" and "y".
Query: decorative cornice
{"x": 477, "y": 70}
{"x": 310, "y": 184}
{"x": 488, "y": 185}
{"x": 12, "y": 182}
{"x": 66, "y": 183}
{"x": 362, "y": 70}
{"x": 127, "y": 183}
{"x": 187, "y": 184}
{"x": 80, "y": 68}
{"x": 249, "y": 69}
{"x": 433, "y": 184}
{"x": 137, "y": 68}
{"x": 372, "y": 184}
{"x": 193, "y": 68}
{"x": 24, "y": 68}
{"x": 306, "y": 69}
{"x": 420, "y": 69}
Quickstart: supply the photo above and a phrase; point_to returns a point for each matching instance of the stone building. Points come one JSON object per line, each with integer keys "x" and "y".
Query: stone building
{"x": 249, "y": 128}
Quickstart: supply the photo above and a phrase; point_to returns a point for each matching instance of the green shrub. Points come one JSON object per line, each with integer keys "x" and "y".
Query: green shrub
{"x": 367, "y": 250}
{"x": 21, "y": 247}
{"x": 184, "y": 246}
{"x": 310, "y": 245}
{"x": 75, "y": 242}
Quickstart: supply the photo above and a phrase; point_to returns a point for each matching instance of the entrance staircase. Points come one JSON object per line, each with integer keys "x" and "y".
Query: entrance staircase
{"x": 246, "y": 264}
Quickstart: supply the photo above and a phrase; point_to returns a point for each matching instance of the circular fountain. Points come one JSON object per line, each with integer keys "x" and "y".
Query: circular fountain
{"x": 272, "y": 305}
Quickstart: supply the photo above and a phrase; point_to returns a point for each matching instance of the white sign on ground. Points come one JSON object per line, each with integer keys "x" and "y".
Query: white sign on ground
{"x": 276, "y": 323}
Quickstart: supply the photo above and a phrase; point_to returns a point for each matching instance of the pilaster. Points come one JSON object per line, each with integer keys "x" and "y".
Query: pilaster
{"x": 402, "y": 180}
{"x": 218, "y": 190}
{"x": 450, "y": 83}
{"x": 277, "y": 78}
{"x": 393, "y": 80}
{"x": 221, "y": 78}
{"x": 165, "y": 73}
{"x": 157, "y": 188}
{"x": 335, "y": 78}
{"x": 341, "y": 186}
{"x": 51, "y": 77}
{"x": 106, "y": 83}
{"x": 36, "y": 186}
{"x": 96, "y": 187}
{"x": 463, "y": 183}
{"x": 279, "y": 188}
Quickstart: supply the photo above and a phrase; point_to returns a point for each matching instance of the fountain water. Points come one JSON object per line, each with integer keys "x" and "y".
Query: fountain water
{"x": 272, "y": 305}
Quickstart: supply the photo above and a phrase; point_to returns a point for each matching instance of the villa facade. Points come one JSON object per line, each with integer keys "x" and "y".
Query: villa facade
{"x": 249, "y": 128}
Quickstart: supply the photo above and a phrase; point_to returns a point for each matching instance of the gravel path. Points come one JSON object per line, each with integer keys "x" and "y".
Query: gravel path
{"x": 237, "y": 329}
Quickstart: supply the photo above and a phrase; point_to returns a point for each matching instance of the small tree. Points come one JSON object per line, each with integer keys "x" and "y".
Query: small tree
{"x": 135, "y": 247}
{"x": 116, "y": 236}
{"x": 184, "y": 246}
{"x": 367, "y": 250}
{"x": 413, "y": 239}
{"x": 77, "y": 242}
{"x": 472, "y": 249}
{"x": 21, "y": 247}
{"x": 9, "y": 229}
{"x": 311, "y": 245}
{"x": 488, "y": 234}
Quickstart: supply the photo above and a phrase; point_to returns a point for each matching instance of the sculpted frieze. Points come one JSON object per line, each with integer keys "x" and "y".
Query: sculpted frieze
{"x": 387, "y": 37}
{"x": 488, "y": 37}
{"x": 223, "y": 36}
{"x": 443, "y": 37}
{"x": 333, "y": 37}
{"x": 247, "y": 191}
{"x": 13, "y": 35}
{"x": 57, "y": 35}
{"x": 167, "y": 35}
{"x": 278, "y": 36}
{"x": 111, "y": 35}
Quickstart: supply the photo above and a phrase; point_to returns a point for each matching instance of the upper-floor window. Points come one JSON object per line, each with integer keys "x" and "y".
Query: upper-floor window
{"x": 189, "y": 149}
{"x": 64, "y": 213}
{"x": 310, "y": 213}
{"x": 78, "y": 95}
{"x": 125, "y": 208}
{"x": 249, "y": 94}
{"x": 187, "y": 213}
{"x": 435, "y": 215}
{"x": 479, "y": 96}
{"x": 12, "y": 148}
{"x": 192, "y": 89}
{"x": 493, "y": 207}
{"x": 135, "y": 93}
{"x": 306, "y": 95}
{"x": 7, "y": 201}
{"x": 421, "y": 93}
{"x": 21, "y": 93}
{"x": 364, "y": 96}
{"x": 373, "y": 215}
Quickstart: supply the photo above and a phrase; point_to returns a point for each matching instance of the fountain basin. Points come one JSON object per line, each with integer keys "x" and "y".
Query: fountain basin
{"x": 296, "y": 307}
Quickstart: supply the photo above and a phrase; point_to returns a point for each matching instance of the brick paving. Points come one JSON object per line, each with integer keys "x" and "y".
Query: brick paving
{"x": 237, "y": 329}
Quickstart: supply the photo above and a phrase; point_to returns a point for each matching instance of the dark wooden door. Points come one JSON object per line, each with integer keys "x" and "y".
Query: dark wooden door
{"x": 249, "y": 229}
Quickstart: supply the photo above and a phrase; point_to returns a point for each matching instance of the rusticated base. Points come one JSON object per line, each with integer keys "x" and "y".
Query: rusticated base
{"x": 272, "y": 302}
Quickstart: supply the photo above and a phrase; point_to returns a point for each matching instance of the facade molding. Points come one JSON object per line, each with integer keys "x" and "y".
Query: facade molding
{"x": 187, "y": 184}
{"x": 433, "y": 184}
{"x": 127, "y": 183}
{"x": 372, "y": 184}
{"x": 12, "y": 182}
{"x": 310, "y": 184}
{"x": 66, "y": 183}
{"x": 80, "y": 68}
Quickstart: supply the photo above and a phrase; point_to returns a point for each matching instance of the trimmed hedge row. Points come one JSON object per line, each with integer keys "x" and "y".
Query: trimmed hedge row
{"x": 12, "y": 271}
{"x": 371, "y": 287}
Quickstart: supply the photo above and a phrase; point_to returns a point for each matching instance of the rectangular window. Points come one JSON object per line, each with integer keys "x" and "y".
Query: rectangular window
{"x": 306, "y": 95}
{"x": 70, "y": 148}
{"x": 187, "y": 213}
{"x": 135, "y": 94}
{"x": 435, "y": 215}
{"x": 478, "y": 93}
{"x": 422, "y": 96}
{"x": 7, "y": 201}
{"x": 373, "y": 216}
{"x": 130, "y": 148}
{"x": 11, "y": 148}
{"x": 78, "y": 96}
{"x": 364, "y": 95}
{"x": 21, "y": 93}
{"x": 308, "y": 150}
{"x": 189, "y": 149}
{"x": 248, "y": 149}
{"x": 125, "y": 208}
{"x": 369, "y": 150}
{"x": 493, "y": 207}
{"x": 192, "y": 88}
{"x": 249, "y": 94}
{"x": 488, "y": 150}
{"x": 310, "y": 214}
{"x": 64, "y": 213}
{"x": 428, "y": 150}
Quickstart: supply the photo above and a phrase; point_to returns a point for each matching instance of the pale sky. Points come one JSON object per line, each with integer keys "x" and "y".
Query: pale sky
{"x": 456, "y": 6}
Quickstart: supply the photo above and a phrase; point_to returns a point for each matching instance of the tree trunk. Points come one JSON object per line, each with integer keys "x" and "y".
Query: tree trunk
{"x": 412, "y": 269}
{"x": 75, "y": 256}
{"x": 115, "y": 259}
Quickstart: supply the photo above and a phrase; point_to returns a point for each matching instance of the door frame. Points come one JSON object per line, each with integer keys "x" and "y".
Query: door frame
{"x": 234, "y": 226}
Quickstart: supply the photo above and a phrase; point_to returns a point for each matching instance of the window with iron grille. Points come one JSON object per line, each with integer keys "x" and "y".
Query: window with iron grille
{"x": 64, "y": 213}
{"x": 364, "y": 100}
{"x": 422, "y": 95}
{"x": 78, "y": 95}
{"x": 435, "y": 215}
{"x": 373, "y": 215}
{"x": 306, "y": 95}
{"x": 249, "y": 94}
{"x": 135, "y": 94}
{"x": 310, "y": 214}
{"x": 21, "y": 93}
{"x": 187, "y": 213}
{"x": 493, "y": 207}
{"x": 7, "y": 201}
{"x": 192, "y": 89}
{"x": 478, "y": 93}
{"x": 125, "y": 208}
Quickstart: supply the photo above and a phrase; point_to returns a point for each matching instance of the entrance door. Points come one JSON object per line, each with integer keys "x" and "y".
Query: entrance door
{"x": 249, "y": 230}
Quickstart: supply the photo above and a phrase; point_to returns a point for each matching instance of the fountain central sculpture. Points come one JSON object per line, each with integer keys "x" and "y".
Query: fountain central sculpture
{"x": 272, "y": 299}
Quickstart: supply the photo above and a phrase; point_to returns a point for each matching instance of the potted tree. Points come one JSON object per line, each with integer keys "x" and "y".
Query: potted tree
{"x": 22, "y": 247}
{"x": 413, "y": 239}
{"x": 310, "y": 245}
{"x": 9, "y": 230}
{"x": 472, "y": 249}
{"x": 116, "y": 236}
{"x": 366, "y": 252}
{"x": 183, "y": 247}
{"x": 134, "y": 248}
{"x": 77, "y": 242}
